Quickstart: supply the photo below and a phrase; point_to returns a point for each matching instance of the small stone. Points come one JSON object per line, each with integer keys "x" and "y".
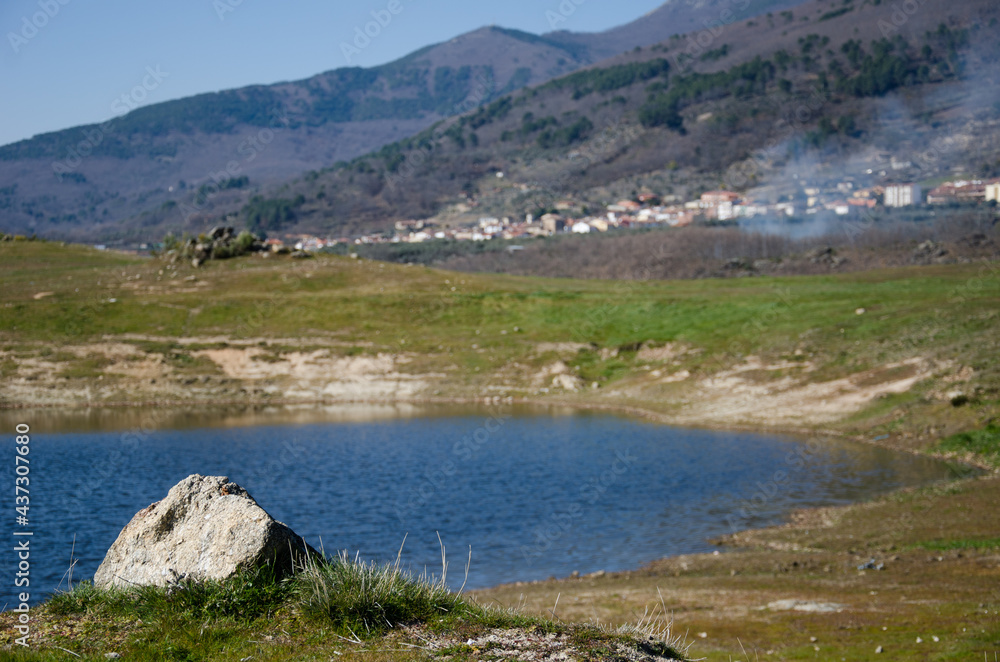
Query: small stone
{"x": 878, "y": 650}
{"x": 935, "y": 638}
{"x": 703, "y": 635}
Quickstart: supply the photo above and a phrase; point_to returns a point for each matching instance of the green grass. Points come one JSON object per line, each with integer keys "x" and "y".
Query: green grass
{"x": 328, "y": 607}
{"x": 463, "y": 325}
{"x": 959, "y": 544}
{"x": 247, "y": 596}
{"x": 87, "y": 368}
{"x": 984, "y": 443}
{"x": 355, "y": 298}
{"x": 367, "y": 598}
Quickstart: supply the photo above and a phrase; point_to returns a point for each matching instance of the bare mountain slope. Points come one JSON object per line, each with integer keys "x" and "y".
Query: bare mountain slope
{"x": 672, "y": 18}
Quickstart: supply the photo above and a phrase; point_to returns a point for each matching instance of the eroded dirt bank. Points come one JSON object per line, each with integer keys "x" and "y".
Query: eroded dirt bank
{"x": 668, "y": 381}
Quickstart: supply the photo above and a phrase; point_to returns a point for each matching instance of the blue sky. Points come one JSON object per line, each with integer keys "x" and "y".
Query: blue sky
{"x": 69, "y": 62}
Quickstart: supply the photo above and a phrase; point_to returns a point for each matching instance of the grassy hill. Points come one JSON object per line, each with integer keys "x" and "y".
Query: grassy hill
{"x": 908, "y": 352}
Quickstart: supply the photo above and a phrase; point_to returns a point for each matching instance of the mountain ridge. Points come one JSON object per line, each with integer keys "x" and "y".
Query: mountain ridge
{"x": 818, "y": 93}
{"x": 58, "y": 182}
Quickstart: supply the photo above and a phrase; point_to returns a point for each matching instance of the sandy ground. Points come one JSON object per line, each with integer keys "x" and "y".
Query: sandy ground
{"x": 753, "y": 393}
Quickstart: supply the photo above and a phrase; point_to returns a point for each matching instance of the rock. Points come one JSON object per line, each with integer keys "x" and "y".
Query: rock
{"x": 205, "y": 528}
{"x": 219, "y": 232}
{"x": 737, "y": 264}
{"x": 871, "y": 565}
{"x": 821, "y": 255}
{"x": 928, "y": 252}
{"x": 567, "y": 382}
{"x": 801, "y": 605}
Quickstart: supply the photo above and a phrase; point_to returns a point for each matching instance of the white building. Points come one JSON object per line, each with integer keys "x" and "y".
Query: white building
{"x": 902, "y": 195}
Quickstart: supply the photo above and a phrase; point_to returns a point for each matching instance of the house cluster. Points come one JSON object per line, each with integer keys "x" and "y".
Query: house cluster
{"x": 841, "y": 198}
{"x": 953, "y": 192}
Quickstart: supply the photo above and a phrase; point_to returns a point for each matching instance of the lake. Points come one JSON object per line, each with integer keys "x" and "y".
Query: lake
{"x": 534, "y": 493}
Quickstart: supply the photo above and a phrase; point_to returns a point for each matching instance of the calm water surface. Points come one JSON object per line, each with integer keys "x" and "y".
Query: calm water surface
{"x": 533, "y": 495}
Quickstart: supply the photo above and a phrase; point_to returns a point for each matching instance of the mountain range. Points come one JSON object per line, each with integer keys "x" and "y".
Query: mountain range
{"x": 82, "y": 182}
{"x": 753, "y": 90}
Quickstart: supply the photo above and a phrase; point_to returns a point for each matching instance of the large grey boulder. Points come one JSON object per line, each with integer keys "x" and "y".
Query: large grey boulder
{"x": 206, "y": 528}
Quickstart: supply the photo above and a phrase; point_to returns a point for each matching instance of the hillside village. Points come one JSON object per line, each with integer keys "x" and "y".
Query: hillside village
{"x": 845, "y": 198}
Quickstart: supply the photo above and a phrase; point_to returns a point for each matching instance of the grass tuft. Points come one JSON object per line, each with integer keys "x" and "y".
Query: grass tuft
{"x": 247, "y": 596}
{"x": 367, "y": 599}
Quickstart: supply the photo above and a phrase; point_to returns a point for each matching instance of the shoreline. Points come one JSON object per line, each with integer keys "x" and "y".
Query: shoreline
{"x": 638, "y": 412}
